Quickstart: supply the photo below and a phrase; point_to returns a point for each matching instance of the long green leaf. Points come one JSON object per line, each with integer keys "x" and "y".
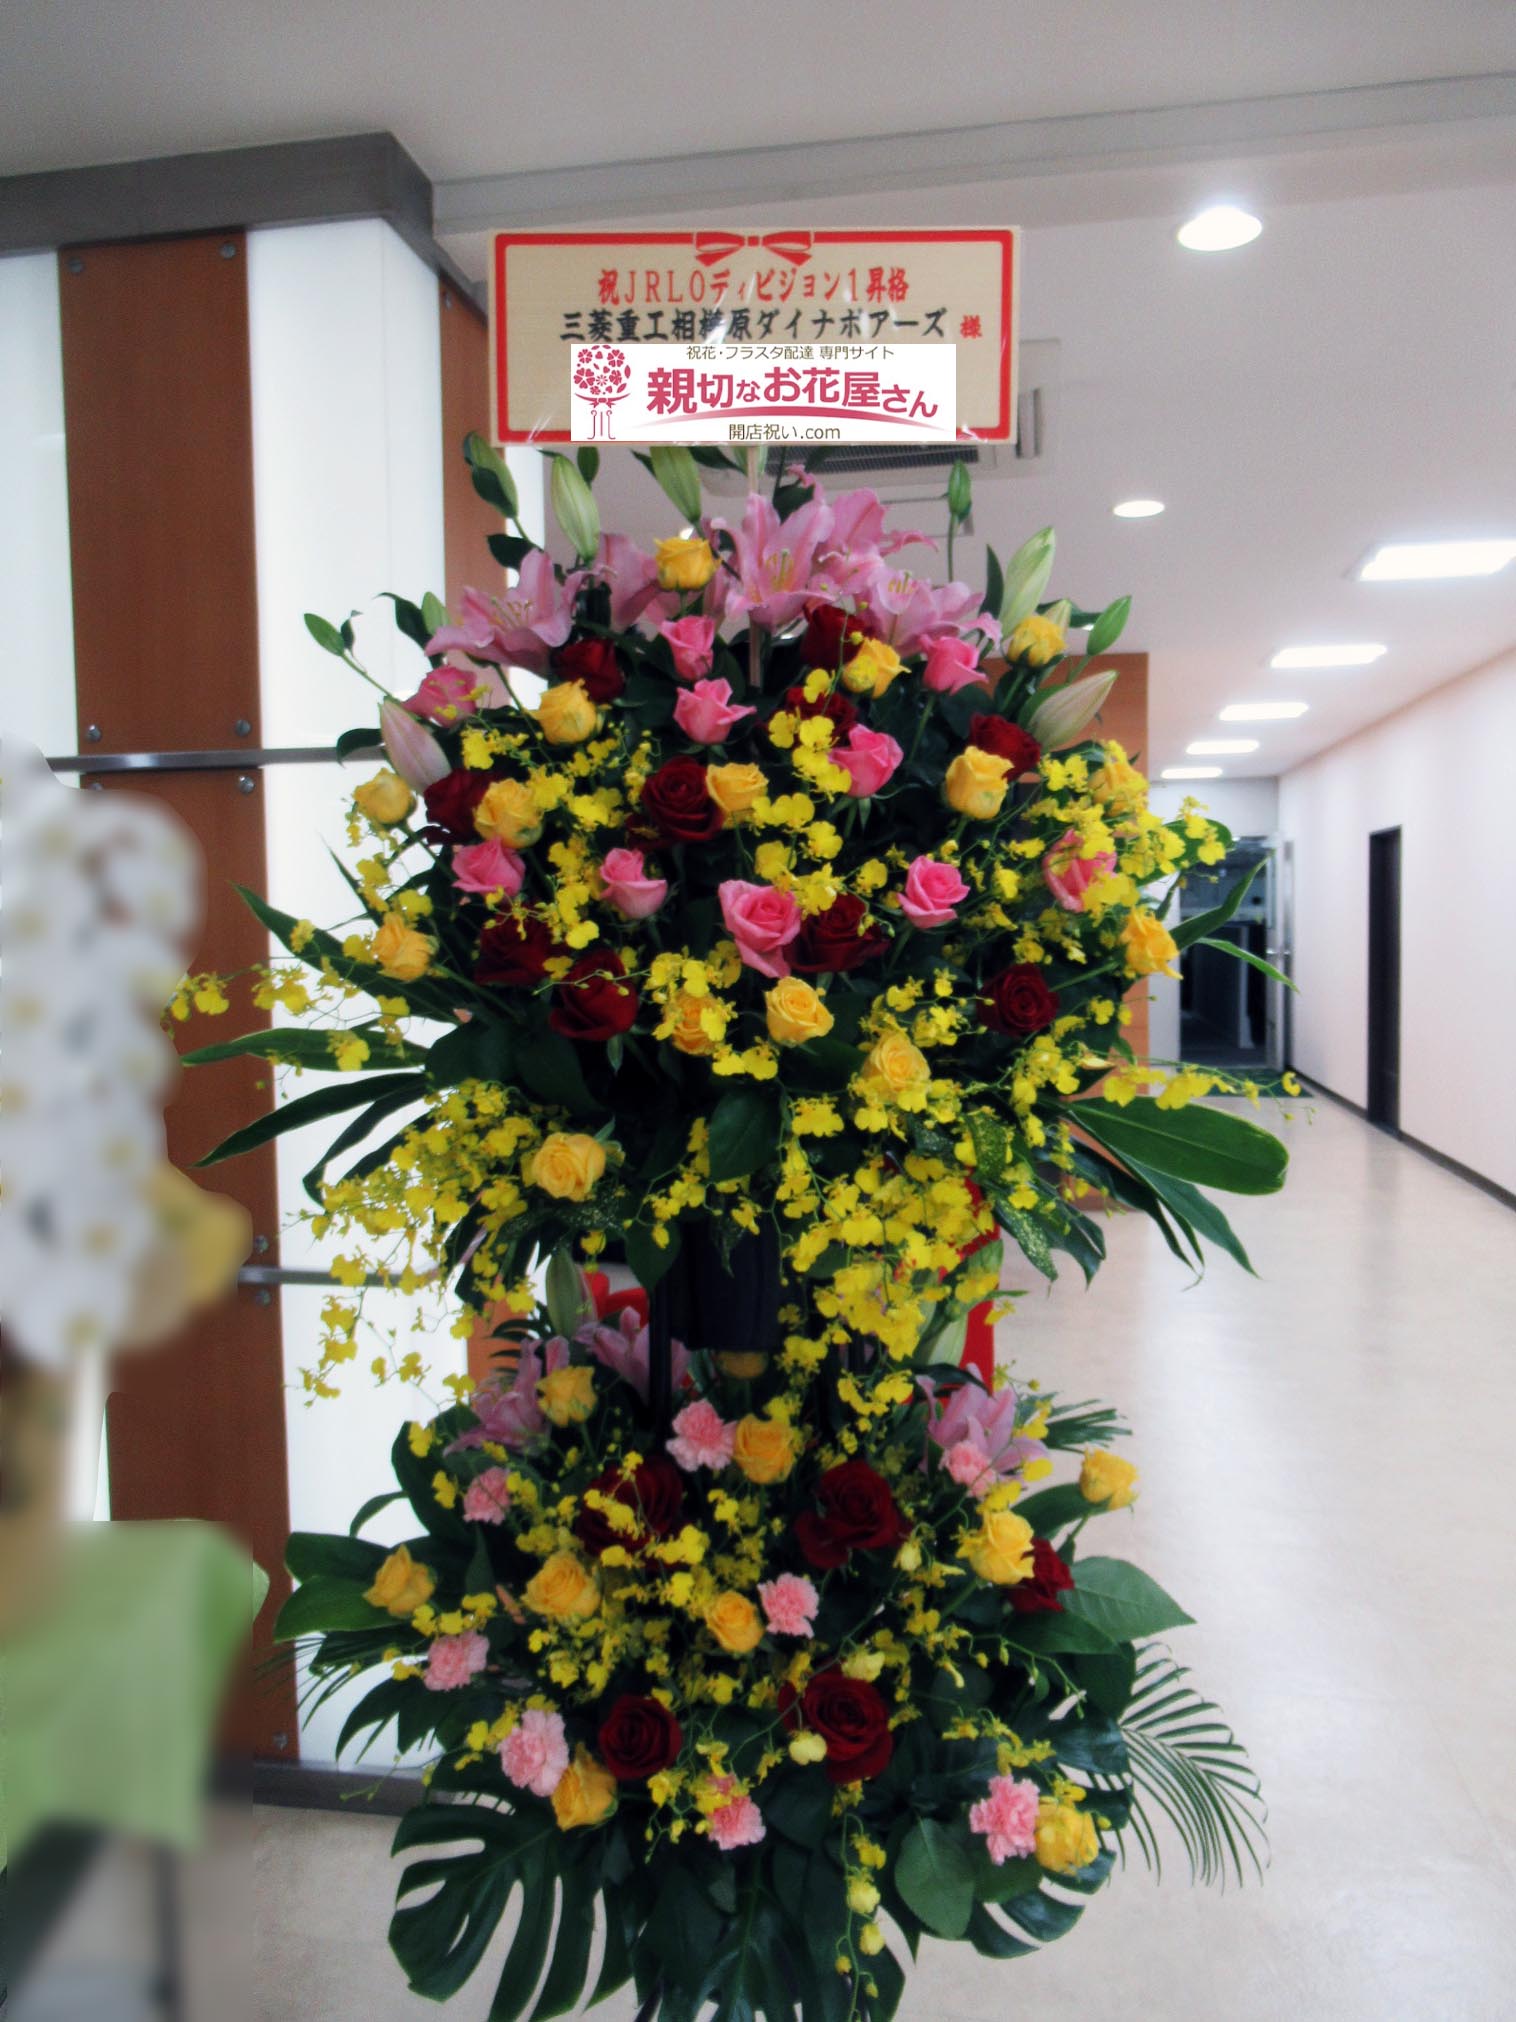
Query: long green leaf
{"x": 1198, "y": 1143}
{"x": 1199, "y": 925}
{"x": 300, "y": 1046}
{"x": 347, "y": 1093}
{"x": 1241, "y": 954}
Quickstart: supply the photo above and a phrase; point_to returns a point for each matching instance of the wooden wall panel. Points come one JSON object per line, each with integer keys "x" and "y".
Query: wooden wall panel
{"x": 466, "y": 520}
{"x": 158, "y": 416}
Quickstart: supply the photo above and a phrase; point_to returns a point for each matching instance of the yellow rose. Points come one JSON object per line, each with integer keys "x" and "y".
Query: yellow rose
{"x": 1066, "y": 1837}
{"x": 566, "y": 713}
{"x": 894, "y": 1065}
{"x": 1118, "y": 783}
{"x": 385, "y": 798}
{"x": 567, "y": 1165}
{"x": 568, "y": 1395}
{"x": 689, "y": 1035}
{"x": 1000, "y": 1551}
{"x": 1107, "y": 1478}
{"x": 1150, "y": 948}
{"x": 562, "y": 1589}
{"x": 975, "y": 782}
{"x": 584, "y": 1793}
{"x": 872, "y": 668}
{"x": 734, "y": 788}
{"x": 795, "y": 1012}
{"x": 400, "y": 951}
{"x": 400, "y": 1585}
{"x": 764, "y": 1449}
{"x": 507, "y": 813}
{"x": 684, "y": 564}
{"x": 742, "y": 1365}
{"x": 734, "y": 1622}
{"x": 1035, "y": 640}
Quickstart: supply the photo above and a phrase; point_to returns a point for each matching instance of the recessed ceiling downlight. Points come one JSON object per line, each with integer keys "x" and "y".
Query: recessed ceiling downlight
{"x": 1363, "y": 654}
{"x": 1219, "y": 228}
{"x": 1263, "y": 712}
{"x": 1138, "y": 508}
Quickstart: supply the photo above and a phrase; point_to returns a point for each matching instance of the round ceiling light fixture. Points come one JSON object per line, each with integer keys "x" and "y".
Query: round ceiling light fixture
{"x": 1138, "y": 508}
{"x": 1219, "y": 229}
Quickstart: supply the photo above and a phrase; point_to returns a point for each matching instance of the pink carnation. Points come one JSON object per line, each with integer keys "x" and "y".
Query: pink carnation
{"x": 705, "y": 712}
{"x": 453, "y": 1660}
{"x": 932, "y": 893}
{"x": 971, "y": 1467}
{"x": 1068, "y": 875}
{"x": 789, "y": 1604}
{"x": 630, "y": 890}
{"x": 485, "y": 867}
{"x": 762, "y": 922}
{"x": 692, "y": 641}
{"x": 535, "y": 1753}
{"x": 736, "y": 1823}
{"x": 488, "y": 1497}
{"x": 870, "y": 758}
{"x": 702, "y": 1437}
{"x": 1007, "y": 1818}
{"x": 952, "y": 664}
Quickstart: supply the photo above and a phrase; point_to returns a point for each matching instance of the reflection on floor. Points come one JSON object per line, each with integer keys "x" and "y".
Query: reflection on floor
{"x": 1326, "y": 1458}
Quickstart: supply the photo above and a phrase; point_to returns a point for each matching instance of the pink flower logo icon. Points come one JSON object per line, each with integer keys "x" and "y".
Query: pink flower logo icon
{"x": 601, "y": 375}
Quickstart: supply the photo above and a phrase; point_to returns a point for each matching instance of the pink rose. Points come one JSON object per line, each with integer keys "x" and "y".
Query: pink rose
{"x": 535, "y": 1753}
{"x": 630, "y": 890}
{"x": 1068, "y": 875}
{"x": 932, "y": 893}
{"x": 485, "y": 867}
{"x": 693, "y": 644}
{"x": 952, "y": 664}
{"x": 789, "y": 1604}
{"x": 488, "y": 1497}
{"x": 448, "y": 693}
{"x": 705, "y": 713}
{"x": 702, "y": 1437}
{"x": 1008, "y": 1818}
{"x": 870, "y": 758}
{"x": 762, "y": 922}
{"x": 453, "y": 1660}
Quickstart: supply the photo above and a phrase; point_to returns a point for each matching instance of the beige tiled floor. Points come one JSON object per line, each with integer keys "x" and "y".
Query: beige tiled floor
{"x": 1327, "y": 1465}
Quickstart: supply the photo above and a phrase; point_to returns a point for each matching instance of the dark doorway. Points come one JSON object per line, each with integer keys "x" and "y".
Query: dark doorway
{"x": 1384, "y": 979}
{"x": 1223, "y": 1002}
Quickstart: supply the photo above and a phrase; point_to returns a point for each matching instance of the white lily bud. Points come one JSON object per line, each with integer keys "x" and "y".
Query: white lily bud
{"x": 413, "y": 751}
{"x": 1061, "y": 715}
{"x": 569, "y": 1304}
{"x": 574, "y": 507}
{"x": 1026, "y": 577}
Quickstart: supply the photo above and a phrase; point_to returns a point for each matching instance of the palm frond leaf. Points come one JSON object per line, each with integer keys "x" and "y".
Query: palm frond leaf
{"x": 1187, "y": 1765}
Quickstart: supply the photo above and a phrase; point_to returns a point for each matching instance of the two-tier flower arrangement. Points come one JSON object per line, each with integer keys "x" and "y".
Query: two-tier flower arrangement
{"x": 759, "y": 914}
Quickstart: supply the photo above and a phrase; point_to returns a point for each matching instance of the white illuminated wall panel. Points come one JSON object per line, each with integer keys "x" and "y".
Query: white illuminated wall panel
{"x": 37, "y": 669}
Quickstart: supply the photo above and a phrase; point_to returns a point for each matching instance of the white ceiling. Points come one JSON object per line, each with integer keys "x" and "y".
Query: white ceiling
{"x": 1350, "y": 377}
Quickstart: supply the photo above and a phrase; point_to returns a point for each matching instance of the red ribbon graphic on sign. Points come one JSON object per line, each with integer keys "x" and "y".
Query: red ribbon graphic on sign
{"x": 713, "y": 246}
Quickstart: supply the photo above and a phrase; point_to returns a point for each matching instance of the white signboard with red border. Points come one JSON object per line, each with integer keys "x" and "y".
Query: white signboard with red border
{"x": 551, "y": 291}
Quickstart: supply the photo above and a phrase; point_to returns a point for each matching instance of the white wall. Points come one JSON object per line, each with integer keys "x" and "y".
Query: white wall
{"x": 37, "y": 672}
{"x": 1440, "y": 771}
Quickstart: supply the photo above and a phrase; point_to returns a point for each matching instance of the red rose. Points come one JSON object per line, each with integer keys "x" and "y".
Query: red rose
{"x": 840, "y": 938}
{"x": 852, "y": 1719}
{"x": 858, "y": 1513}
{"x": 834, "y": 706}
{"x": 638, "y": 1737}
{"x": 594, "y": 1001}
{"x": 1006, "y": 740}
{"x": 675, "y": 801}
{"x": 1019, "y": 1002}
{"x": 832, "y": 634}
{"x": 450, "y": 803}
{"x": 515, "y": 950}
{"x": 592, "y": 662}
{"x": 1050, "y": 1578}
{"x": 655, "y": 1492}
